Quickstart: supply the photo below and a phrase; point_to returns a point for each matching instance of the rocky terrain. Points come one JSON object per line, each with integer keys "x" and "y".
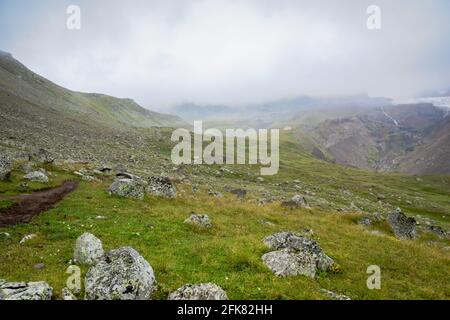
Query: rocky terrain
{"x": 399, "y": 138}
{"x": 85, "y": 184}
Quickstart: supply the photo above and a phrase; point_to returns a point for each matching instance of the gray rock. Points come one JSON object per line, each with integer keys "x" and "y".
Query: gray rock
{"x": 290, "y": 262}
{"x": 297, "y": 201}
{"x": 27, "y": 237}
{"x": 26, "y": 167}
{"x": 5, "y": 168}
{"x": 36, "y": 176}
{"x": 122, "y": 274}
{"x": 200, "y": 220}
{"x": 161, "y": 187}
{"x": 365, "y": 221}
{"x": 289, "y": 240}
{"x": 438, "y": 231}
{"x": 39, "y": 266}
{"x": 240, "y": 193}
{"x": 25, "y": 290}
{"x": 88, "y": 249}
{"x": 334, "y": 295}
{"x": 202, "y": 291}
{"x": 67, "y": 294}
{"x": 41, "y": 156}
{"x": 402, "y": 226}
{"x": 127, "y": 188}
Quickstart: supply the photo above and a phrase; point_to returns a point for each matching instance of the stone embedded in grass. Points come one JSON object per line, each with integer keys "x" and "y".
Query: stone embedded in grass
{"x": 36, "y": 176}
{"x": 202, "y": 291}
{"x": 334, "y": 295}
{"x": 5, "y": 168}
{"x": 299, "y": 250}
{"x": 39, "y": 266}
{"x": 200, "y": 220}
{"x": 161, "y": 187}
{"x": 25, "y": 290}
{"x": 88, "y": 249}
{"x": 122, "y": 274}
{"x": 240, "y": 193}
{"x": 296, "y": 201}
{"x": 365, "y": 221}
{"x": 27, "y": 237}
{"x": 437, "y": 231}
{"x": 128, "y": 188}
{"x": 403, "y": 227}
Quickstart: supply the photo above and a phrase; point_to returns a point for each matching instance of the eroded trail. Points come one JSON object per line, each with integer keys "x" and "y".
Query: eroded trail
{"x": 33, "y": 204}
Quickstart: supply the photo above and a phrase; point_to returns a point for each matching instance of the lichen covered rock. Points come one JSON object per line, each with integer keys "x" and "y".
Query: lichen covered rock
{"x": 25, "y": 290}
{"x": 202, "y": 291}
{"x": 122, "y": 274}
{"x": 88, "y": 249}
{"x": 403, "y": 227}
{"x": 161, "y": 187}
{"x": 127, "y": 188}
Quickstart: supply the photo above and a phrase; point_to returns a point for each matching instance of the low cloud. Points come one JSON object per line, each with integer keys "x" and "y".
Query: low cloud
{"x": 162, "y": 53}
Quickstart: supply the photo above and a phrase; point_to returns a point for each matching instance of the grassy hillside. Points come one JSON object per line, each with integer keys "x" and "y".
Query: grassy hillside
{"x": 229, "y": 254}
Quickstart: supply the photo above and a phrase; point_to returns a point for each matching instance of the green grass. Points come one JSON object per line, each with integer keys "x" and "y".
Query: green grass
{"x": 230, "y": 253}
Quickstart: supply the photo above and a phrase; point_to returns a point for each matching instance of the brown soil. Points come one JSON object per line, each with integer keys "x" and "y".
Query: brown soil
{"x": 31, "y": 205}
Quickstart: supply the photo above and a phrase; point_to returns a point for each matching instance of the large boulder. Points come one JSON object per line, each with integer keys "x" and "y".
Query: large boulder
{"x": 202, "y": 291}
{"x": 122, "y": 274}
{"x": 36, "y": 176}
{"x": 290, "y": 240}
{"x": 403, "y": 227}
{"x": 295, "y": 255}
{"x": 200, "y": 220}
{"x": 41, "y": 156}
{"x": 88, "y": 249}
{"x": 25, "y": 290}
{"x": 162, "y": 187}
{"x": 128, "y": 188}
{"x": 296, "y": 201}
{"x": 5, "y": 168}
{"x": 289, "y": 262}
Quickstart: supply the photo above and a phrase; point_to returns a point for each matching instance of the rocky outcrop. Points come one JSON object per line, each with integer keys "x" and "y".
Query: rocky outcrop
{"x": 36, "y": 176}
{"x": 161, "y": 187}
{"x": 25, "y": 290}
{"x": 5, "y": 168}
{"x": 88, "y": 249}
{"x": 202, "y": 291}
{"x": 128, "y": 188}
{"x": 199, "y": 220}
{"x": 403, "y": 227}
{"x": 296, "y": 201}
{"x": 122, "y": 274}
{"x": 295, "y": 255}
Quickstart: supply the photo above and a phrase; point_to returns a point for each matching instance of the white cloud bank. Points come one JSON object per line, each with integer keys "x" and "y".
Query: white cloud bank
{"x": 233, "y": 52}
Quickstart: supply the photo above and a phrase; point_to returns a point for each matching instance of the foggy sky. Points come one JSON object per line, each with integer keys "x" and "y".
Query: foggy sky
{"x": 161, "y": 53}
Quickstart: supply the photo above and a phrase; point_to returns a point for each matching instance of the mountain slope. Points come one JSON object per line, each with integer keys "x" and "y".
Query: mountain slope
{"x": 407, "y": 138}
{"x": 18, "y": 82}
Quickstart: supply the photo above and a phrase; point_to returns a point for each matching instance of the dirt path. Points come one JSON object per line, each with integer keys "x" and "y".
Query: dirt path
{"x": 33, "y": 204}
